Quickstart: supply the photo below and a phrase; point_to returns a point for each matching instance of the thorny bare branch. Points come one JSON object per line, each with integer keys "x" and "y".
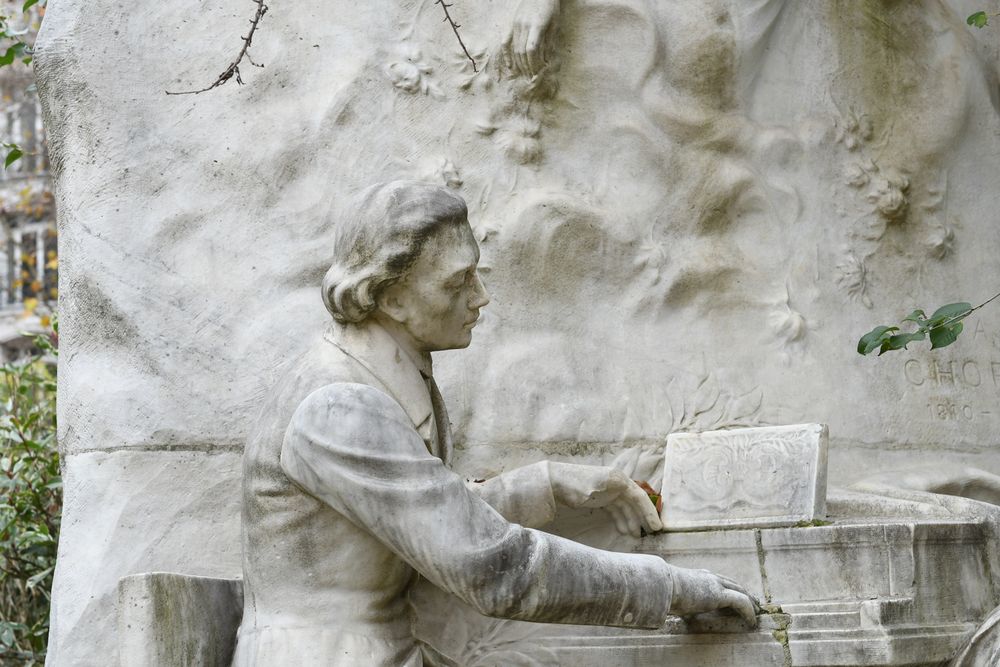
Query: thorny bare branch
{"x": 234, "y": 67}
{"x": 455, "y": 27}
{"x": 233, "y": 70}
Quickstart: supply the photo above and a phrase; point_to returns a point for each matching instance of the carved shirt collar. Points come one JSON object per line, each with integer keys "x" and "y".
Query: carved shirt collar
{"x": 396, "y": 368}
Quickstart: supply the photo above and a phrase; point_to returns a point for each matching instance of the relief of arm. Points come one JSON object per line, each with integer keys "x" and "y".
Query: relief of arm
{"x": 531, "y": 34}
{"x": 528, "y": 495}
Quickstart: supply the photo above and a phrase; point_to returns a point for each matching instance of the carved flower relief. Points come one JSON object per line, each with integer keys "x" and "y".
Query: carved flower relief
{"x": 789, "y": 325}
{"x": 854, "y": 129}
{"x": 411, "y": 75}
{"x": 470, "y": 79}
{"x": 855, "y": 176}
{"x": 721, "y": 476}
{"x": 940, "y": 241}
{"x": 889, "y": 194}
{"x": 519, "y": 138}
{"x": 716, "y": 475}
{"x": 859, "y": 174}
{"x": 853, "y": 278}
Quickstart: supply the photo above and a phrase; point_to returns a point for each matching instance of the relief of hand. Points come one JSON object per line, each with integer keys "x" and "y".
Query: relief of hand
{"x": 698, "y": 591}
{"x": 530, "y": 35}
{"x": 608, "y": 488}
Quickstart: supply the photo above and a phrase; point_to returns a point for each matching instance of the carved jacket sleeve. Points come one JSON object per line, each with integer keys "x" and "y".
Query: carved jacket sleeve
{"x": 353, "y": 447}
{"x": 523, "y": 495}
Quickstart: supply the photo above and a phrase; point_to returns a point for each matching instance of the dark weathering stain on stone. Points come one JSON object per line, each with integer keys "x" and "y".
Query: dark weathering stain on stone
{"x": 105, "y": 324}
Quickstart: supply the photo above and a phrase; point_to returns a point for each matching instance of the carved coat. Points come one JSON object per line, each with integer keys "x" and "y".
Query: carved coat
{"x": 348, "y": 499}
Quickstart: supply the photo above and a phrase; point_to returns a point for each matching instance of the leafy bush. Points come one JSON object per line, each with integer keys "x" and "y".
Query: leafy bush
{"x": 30, "y": 502}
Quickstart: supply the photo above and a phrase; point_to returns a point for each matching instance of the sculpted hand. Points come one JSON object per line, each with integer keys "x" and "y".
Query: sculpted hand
{"x": 697, "y": 591}
{"x": 609, "y": 488}
{"x": 528, "y": 40}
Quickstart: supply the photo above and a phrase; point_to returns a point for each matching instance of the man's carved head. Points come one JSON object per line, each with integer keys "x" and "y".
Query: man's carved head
{"x": 379, "y": 241}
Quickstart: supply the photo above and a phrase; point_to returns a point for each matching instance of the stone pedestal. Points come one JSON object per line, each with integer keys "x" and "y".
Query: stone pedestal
{"x": 859, "y": 591}
{"x": 882, "y": 590}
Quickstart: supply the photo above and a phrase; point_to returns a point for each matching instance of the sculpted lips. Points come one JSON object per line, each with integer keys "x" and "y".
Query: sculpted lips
{"x": 471, "y": 323}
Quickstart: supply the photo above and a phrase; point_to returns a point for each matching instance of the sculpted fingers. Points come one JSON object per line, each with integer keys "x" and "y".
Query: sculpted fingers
{"x": 532, "y": 31}
{"x": 621, "y": 524}
{"x": 639, "y": 499}
{"x": 533, "y": 50}
{"x": 741, "y": 604}
{"x": 638, "y": 493}
{"x": 651, "y": 516}
{"x": 733, "y": 585}
{"x": 520, "y": 49}
{"x": 632, "y": 519}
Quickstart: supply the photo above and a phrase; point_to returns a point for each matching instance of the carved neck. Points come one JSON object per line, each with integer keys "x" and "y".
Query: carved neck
{"x": 420, "y": 359}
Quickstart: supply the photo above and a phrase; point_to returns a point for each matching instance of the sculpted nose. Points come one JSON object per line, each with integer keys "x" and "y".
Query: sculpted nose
{"x": 480, "y": 297}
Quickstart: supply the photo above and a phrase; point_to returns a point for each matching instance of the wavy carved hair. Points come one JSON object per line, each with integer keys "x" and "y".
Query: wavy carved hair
{"x": 377, "y": 242}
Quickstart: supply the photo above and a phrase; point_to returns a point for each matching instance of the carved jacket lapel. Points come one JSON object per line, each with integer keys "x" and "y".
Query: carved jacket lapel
{"x": 372, "y": 347}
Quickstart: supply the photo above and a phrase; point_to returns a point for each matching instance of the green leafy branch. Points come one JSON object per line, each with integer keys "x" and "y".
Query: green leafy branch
{"x": 14, "y": 153}
{"x": 30, "y": 501}
{"x": 980, "y": 19}
{"x": 942, "y": 327}
{"x": 17, "y": 49}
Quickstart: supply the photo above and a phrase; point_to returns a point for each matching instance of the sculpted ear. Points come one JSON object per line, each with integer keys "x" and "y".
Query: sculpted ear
{"x": 392, "y": 302}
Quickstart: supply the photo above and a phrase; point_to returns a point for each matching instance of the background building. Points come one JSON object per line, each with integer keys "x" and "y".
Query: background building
{"x": 28, "y": 248}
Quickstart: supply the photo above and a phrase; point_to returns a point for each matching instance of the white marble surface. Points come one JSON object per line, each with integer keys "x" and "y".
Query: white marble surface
{"x": 171, "y": 620}
{"x": 897, "y": 590}
{"x": 907, "y": 589}
{"x": 753, "y": 477}
{"x": 680, "y": 235}
{"x": 349, "y": 497}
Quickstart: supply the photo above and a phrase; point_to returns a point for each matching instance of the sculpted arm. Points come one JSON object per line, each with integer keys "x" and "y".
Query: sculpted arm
{"x": 528, "y": 495}
{"x": 354, "y": 448}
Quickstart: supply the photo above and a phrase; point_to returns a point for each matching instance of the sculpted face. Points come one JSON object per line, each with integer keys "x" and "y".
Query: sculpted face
{"x": 437, "y": 304}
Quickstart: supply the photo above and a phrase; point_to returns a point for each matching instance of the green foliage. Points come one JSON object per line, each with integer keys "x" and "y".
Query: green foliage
{"x": 14, "y": 153}
{"x": 979, "y": 19}
{"x": 943, "y": 328}
{"x": 15, "y": 47}
{"x": 30, "y": 502}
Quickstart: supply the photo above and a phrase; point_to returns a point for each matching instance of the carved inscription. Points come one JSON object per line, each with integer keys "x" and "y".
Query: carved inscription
{"x": 960, "y": 373}
{"x": 960, "y": 390}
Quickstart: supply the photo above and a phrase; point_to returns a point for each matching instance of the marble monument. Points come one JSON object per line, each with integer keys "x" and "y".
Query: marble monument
{"x": 688, "y": 212}
{"x": 347, "y": 493}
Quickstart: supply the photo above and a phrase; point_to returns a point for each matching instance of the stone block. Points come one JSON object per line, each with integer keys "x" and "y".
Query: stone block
{"x": 167, "y": 620}
{"x": 195, "y": 499}
{"x": 855, "y": 593}
{"x": 732, "y": 553}
{"x": 858, "y": 561}
{"x": 754, "y": 477}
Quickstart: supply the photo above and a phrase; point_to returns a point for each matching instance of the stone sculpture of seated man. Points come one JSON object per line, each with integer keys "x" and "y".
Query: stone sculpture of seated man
{"x": 348, "y": 496}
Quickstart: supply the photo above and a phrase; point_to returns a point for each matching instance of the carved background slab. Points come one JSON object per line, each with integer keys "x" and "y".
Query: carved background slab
{"x": 768, "y": 476}
{"x": 686, "y": 222}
